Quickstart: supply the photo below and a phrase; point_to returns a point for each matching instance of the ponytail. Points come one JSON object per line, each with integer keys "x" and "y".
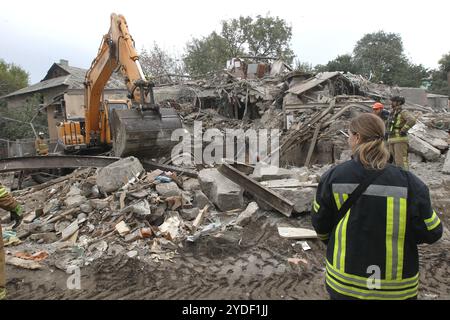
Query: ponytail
{"x": 371, "y": 150}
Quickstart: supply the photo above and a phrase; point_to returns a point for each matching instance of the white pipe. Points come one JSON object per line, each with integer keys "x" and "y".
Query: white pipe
{"x": 141, "y": 73}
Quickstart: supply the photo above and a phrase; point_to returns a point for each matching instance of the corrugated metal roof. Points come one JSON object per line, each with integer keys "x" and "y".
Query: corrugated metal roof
{"x": 73, "y": 80}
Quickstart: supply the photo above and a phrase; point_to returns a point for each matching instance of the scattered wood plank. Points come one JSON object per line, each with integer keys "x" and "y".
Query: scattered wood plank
{"x": 29, "y": 217}
{"x": 312, "y": 145}
{"x": 122, "y": 228}
{"x": 22, "y": 263}
{"x": 287, "y": 183}
{"x": 150, "y": 165}
{"x": 296, "y": 233}
{"x": 264, "y": 194}
{"x": 200, "y": 217}
{"x": 122, "y": 199}
{"x": 63, "y": 215}
{"x": 69, "y": 231}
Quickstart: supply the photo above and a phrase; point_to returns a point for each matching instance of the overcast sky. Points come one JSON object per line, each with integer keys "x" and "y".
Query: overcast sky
{"x": 37, "y": 33}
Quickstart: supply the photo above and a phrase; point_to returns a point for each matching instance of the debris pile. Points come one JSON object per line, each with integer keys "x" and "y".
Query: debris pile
{"x": 152, "y": 214}
{"x": 147, "y": 215}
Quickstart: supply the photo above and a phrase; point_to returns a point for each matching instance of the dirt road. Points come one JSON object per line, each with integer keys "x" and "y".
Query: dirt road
{"x": 247, "y": 264}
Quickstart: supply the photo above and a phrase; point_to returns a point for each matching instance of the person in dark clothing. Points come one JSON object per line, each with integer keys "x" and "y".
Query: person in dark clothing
{"x": 372, "y": 247}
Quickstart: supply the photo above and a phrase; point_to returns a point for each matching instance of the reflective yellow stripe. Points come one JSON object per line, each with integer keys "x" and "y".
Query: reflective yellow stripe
{"x": 336, "y": 238}
{"x": 323, "y": 236}
{"x": 370, "y": 294}
{"x": 397, "y": 139}
{"x": 3, "y": 192}
{"x": 2, "y": 293}
{"x": 401, "y": 238}
{"x": 389, "y": 231}
{"x": 432, "y": 222}
{"x": 344, "y": 236}
{"x": 362, "y": 281}
{"x": 434, "y": 225}
{"x": 316, "y": 206}
{"x": 357, "y": 280}
{"x": 427, "y": 221}
{"x": 340, "y": 238}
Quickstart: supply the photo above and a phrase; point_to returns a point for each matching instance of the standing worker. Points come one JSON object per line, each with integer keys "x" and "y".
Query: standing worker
{"x": 40, "y": 145}
{"x": 8, "y": 203}
{"x": 372, "y": 215}
{"x": 400, "y": 121}
{"x": 378, "y": 109}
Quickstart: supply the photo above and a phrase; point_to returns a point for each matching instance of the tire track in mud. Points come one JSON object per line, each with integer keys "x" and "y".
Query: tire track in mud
{"x": 254, "y": 266}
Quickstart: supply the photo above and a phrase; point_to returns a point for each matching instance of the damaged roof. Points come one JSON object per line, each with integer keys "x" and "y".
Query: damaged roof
{"x": 313, "y": 82}
{"x": 61, "y": 74}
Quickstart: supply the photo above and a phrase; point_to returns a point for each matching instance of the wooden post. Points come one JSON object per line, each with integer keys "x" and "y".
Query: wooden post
{"x": 312, "y": 145}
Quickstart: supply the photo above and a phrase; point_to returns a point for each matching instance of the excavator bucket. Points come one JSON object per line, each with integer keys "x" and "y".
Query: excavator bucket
{"x": 147, "y": 133}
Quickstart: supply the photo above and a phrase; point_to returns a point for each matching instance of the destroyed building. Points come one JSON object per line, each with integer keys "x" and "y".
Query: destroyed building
{"x": 219, "y": 225}
{"x": 61, "y": 91}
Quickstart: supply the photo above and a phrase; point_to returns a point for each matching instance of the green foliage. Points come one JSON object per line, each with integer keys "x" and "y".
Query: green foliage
{"x": 342, "y": 63}
{"x": 12, "y": 78}
{"x": 268, "y": 36}
{"x": 410, "y": 75}
{"x": 21, "y": 128}
{"x": 236, "y": 32}
{"x": 439, "y": 82}
{"x": 379, "y": 56}
{"x": 263, "y": 36}
{"x": 206, "y": 55}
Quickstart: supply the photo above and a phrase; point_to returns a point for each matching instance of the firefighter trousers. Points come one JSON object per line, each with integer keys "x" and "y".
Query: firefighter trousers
{"x": 399, "y": 152}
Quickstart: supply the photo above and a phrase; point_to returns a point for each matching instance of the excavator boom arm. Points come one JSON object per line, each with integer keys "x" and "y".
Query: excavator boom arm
{"x": 116, "y": 51}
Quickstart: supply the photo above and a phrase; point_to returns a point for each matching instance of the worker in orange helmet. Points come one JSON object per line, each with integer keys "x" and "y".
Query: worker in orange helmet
{"x": 378, "y": 109}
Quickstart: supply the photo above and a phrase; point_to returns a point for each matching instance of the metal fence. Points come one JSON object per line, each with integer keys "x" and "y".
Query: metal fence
{"x": 22, "y": 148}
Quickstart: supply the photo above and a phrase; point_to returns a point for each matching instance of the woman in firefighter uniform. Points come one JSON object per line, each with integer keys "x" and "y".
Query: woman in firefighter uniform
{"x": 8, "y": 203}
{"x": 372, "y": 215}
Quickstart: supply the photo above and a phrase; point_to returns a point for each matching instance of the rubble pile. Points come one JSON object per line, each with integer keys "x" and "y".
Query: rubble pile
{"x": 122, "y": 209}
{"x": 312, "y": 111}
{"x": 150, "y": 215}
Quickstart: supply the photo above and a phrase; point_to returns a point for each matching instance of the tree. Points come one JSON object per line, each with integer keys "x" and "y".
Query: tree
{"x": 379, "y": 56}
{"x": 207, "y": 54}
{"x": 158, "y": 65}
{"x": 342, "y": 63}
{"x": 303, "y": 66}
{"x": 410, "y": 75}
{"x": 263, "y": 36}
{"x": 16, "y": 125}
{"x": 12, "y": 78}
{"x": 439, "y": 80}
{"x": 268, "y": 36}
{"x": 235, "y": 32}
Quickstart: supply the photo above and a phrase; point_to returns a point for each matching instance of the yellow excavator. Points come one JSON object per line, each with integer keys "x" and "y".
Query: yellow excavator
{"x": 135, "y": 126}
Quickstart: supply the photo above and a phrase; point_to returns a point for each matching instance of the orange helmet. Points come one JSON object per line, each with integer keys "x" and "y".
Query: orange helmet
{"x": 377, "y": 106}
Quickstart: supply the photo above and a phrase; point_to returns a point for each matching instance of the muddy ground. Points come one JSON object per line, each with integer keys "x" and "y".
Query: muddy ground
{"x": 251, "y": 263}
